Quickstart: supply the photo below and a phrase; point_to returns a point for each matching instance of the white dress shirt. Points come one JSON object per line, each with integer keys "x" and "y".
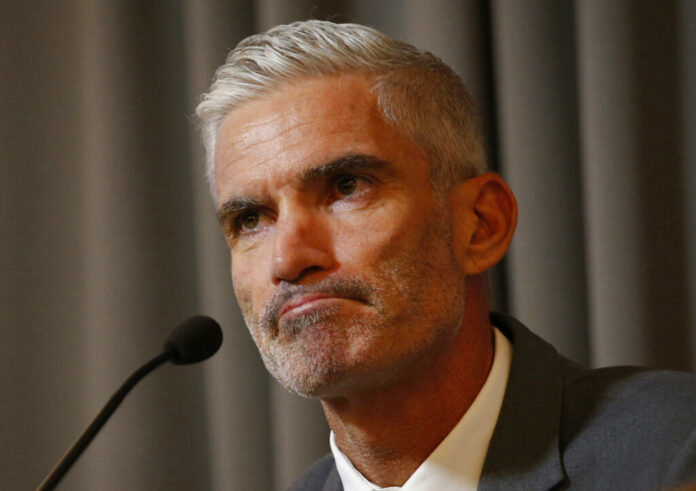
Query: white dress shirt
{"x": 457, "y": 462}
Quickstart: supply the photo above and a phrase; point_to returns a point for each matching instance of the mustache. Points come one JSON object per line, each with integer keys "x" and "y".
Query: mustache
{"x": 338, "y": 287}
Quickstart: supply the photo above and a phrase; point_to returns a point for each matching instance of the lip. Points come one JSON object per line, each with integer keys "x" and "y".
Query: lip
{"x": 299, "y": 301}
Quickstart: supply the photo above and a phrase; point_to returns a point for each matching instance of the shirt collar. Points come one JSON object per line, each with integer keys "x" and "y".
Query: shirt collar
{"x": 457, "y": 462}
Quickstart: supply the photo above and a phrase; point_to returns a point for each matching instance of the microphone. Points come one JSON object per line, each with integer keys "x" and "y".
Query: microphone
{"x": 196, "y": 339}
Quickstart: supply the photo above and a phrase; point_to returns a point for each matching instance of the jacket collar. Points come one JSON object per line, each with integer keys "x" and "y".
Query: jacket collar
{"x": 524, "y": 449}
{"x": 333, "y": 481}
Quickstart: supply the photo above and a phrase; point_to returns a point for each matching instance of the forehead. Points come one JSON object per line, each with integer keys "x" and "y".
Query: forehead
{"x": 299, "y": 126}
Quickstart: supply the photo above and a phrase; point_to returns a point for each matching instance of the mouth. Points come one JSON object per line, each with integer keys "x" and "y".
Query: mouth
{"x": 302, "y": 303}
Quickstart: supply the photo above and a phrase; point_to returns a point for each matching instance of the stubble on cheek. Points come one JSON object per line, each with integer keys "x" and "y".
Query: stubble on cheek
{"x": 429, "y": 283}
{"x": 414, "y": 306}
{"x": 243, "y": 301}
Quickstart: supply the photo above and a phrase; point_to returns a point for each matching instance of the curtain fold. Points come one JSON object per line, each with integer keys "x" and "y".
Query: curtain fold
{"x": 686, "y": 14}
{"x": 42, "y": 241}
{"x": 109, "y": 236}
{"x": 238, "y": 401}
{"x": 138, "y": 269}
{"x": 632, "y": 175}
{"x": 539, "y": 153}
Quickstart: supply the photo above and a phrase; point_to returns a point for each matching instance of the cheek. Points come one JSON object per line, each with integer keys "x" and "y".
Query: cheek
{"x": 246, "y": 281}
{"x": 374, "y": 231}
{"x": 359, "y": 246}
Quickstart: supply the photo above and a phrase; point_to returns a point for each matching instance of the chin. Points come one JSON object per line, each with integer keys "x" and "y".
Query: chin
{"x": 326, "y": 378}
{"x": 306, "y": 387}
{"x": 310, "y": 361}
{"x": 310, "y": 378}
{"x": 331, "y": 360}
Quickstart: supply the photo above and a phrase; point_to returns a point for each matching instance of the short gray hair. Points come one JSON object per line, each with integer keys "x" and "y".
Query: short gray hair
{"x": 416, "y": 92}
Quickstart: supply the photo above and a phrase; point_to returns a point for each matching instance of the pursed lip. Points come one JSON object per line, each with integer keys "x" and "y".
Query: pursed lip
{"x": 300, "y": 300}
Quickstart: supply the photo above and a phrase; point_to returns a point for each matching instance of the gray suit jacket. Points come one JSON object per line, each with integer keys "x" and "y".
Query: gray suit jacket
{"x": 563, "y": 426}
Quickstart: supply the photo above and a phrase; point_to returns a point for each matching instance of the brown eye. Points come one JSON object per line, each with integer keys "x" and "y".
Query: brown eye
{"x": 249, "y": 221}
{"x": 346, "y": 185}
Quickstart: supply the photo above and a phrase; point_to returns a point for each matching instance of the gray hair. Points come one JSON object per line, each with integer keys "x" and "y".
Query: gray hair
{"x": 416, "y": 92}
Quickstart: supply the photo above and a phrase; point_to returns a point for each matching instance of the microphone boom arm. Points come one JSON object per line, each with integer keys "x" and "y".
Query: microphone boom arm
{"x": 196, "y": 339}
{"x": 62, "y": 467}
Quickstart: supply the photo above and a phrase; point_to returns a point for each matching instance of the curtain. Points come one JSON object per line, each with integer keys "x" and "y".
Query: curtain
{"x": 109, "y": 239}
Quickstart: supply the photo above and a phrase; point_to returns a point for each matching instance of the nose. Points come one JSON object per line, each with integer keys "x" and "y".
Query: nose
{"x": 302, "y": 245}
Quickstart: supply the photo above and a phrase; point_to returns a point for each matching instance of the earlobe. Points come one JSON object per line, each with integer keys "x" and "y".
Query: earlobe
{"x": 485, "y": 217}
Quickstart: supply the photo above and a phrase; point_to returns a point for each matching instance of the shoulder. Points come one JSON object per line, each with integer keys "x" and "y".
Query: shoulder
{"x": 630, "y": 418}
{"x": 665, "y": 399}
{"x": 320, "y": 476}
{"x": 620, "y": 427}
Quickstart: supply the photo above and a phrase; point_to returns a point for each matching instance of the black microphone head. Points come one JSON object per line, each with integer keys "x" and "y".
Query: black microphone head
{"x": 196, "y": 339}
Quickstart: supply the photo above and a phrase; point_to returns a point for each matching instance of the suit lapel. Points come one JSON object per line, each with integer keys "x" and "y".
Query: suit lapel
{"x": 333, "y": 481}
{"x": 524, "y": 449}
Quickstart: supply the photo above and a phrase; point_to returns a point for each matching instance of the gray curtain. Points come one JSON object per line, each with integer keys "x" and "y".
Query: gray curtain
{"x": 108, "y": 237}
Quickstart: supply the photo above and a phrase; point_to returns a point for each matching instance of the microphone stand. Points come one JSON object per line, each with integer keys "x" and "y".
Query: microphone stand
{"x": 57, "y": 473}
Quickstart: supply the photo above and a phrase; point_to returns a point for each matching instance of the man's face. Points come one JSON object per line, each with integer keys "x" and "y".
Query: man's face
{"x": 342, "y": 260}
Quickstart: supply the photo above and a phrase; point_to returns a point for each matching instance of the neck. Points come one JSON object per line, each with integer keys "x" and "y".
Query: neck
{"x": 388, "y": 431}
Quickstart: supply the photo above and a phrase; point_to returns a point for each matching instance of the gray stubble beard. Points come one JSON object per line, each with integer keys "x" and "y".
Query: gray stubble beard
{"x": 309, "y": 375}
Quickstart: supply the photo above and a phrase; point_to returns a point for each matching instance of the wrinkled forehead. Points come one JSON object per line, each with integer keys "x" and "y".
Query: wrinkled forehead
{"x": 299, "y": 126}
{"x": 323, "y": 100}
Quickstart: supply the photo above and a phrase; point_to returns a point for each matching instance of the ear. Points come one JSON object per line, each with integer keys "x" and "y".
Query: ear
{"x": 484, "y": 213}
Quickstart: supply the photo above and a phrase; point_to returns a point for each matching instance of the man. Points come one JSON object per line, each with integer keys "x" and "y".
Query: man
{"x": 350, "y": 183}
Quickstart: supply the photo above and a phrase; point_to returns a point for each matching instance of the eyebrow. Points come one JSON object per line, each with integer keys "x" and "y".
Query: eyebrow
{"x": 345, "y": 163}
{"x": 350, "y": 162}
{"x": 236, "y": 206}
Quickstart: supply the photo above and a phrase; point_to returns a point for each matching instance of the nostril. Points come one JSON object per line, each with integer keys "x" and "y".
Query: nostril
{"x": 307, "y": 272}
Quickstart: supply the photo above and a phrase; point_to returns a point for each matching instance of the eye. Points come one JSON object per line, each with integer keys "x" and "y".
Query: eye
{"x": 249, "y": 220}
{"x": 346, "y": 185}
